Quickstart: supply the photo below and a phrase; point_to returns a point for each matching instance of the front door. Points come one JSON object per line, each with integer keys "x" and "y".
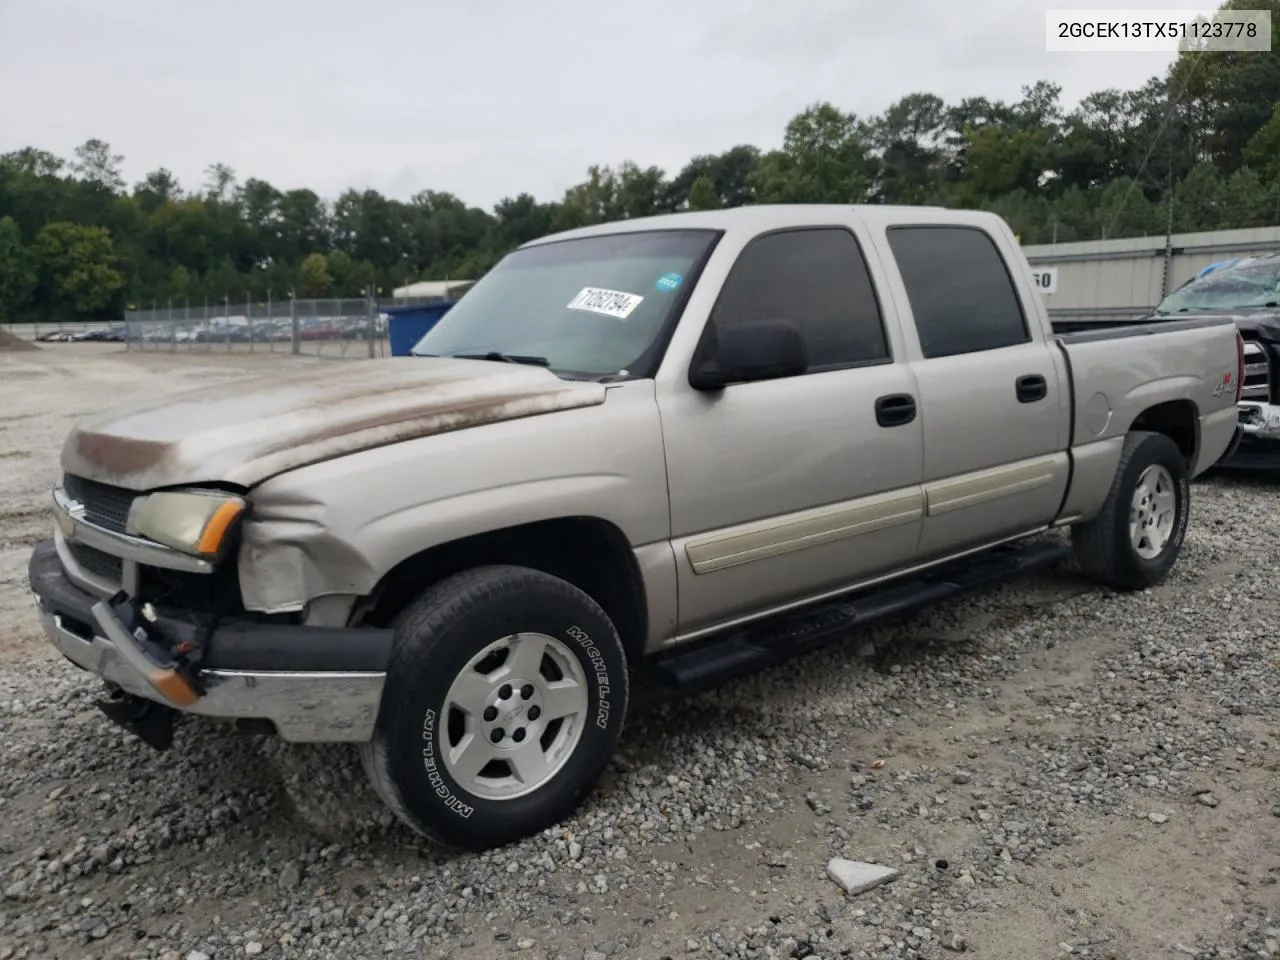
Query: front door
{"x": 784, "y": 489}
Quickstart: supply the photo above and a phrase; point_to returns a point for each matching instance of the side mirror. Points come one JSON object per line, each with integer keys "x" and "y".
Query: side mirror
{"x": 760, "y": 350}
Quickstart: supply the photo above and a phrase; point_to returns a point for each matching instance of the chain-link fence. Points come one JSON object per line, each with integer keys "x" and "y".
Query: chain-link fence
{"x": 336, "y": 328}
{"x": 53, "y": 331}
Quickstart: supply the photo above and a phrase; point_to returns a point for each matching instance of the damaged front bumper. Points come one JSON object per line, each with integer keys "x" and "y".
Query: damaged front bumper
{"x": 1258, "y": 437}
{"x": 311, "y": 684}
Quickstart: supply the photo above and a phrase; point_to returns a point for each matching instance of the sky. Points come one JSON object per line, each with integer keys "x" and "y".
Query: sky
{"x": 492, "y": 98}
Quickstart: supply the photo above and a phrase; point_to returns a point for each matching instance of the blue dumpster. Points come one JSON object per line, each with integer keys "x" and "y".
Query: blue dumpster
{"x": 407, "y": 325}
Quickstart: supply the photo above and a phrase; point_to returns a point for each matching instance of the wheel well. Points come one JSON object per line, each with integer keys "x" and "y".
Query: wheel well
{"x": 590, "y": 553}
{"x": 1178, "y": 421}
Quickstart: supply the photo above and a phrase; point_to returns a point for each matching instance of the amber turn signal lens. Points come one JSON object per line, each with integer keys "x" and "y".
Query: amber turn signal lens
{"x": 217, "y": 527}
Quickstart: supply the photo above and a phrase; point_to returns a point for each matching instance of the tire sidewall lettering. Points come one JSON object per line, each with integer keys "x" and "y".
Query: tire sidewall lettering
{"x": 1181, "y": 513}
{"x": 431, "y": 744}
{"x": 601, "y": 672}
{"x": 1184, "y": 502}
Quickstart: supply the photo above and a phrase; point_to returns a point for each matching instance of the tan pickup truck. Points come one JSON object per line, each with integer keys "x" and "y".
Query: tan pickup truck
{"x": 693, "y": 443}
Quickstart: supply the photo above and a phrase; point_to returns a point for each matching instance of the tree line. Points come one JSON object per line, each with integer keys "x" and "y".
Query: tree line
{"x": 1200, "y": 144}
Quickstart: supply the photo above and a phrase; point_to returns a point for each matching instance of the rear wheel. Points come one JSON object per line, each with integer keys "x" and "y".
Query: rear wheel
{"x": 504, "y": 700}
{"x": 1136, "y": 537}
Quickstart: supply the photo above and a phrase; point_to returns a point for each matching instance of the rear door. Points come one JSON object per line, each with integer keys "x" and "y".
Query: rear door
{"x": 993, "y": 393}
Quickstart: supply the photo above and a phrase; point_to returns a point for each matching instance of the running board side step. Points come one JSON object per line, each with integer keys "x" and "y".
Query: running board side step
{"x": 776, "y": 639}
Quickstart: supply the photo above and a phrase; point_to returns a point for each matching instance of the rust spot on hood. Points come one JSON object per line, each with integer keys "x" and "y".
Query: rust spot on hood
{"x": 119, "y": 455}
{"x": 391, "y": 427}
{"x": 244, "y": 432}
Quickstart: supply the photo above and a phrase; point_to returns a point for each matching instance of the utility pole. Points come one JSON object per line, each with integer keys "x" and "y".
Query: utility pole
{"x": 1168, "y": 199}
{"x": 1168, "y": 229}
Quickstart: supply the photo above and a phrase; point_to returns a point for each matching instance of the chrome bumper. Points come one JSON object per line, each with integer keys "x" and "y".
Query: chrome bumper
{"x": 305, "y": 707}
{"x": 1259, "y": 420}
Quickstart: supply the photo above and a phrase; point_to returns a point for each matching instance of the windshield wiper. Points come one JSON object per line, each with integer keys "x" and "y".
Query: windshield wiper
{"x": 504, "y": 358}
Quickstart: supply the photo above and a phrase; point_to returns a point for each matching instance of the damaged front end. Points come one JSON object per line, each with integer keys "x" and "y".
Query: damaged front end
{"x": 142, "y": 590}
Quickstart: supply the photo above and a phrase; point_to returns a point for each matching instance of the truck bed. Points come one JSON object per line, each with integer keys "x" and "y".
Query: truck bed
{"x": 1082, "y": 331}
{"x": 1181, "y": 380}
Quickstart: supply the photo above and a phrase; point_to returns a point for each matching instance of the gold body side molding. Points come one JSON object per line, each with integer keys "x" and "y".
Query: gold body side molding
{"x": 778, "y": 535}
{"x": 987, "y": 485}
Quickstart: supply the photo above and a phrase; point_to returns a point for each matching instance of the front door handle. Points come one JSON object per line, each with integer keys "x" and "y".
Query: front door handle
{"x": 895, "y": 409}
{"x": 1032, "y": 388}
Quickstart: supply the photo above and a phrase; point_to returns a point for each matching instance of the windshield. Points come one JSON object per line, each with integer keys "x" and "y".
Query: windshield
{"x": 1253, "y": 283}
{"x": 594, "y": 307}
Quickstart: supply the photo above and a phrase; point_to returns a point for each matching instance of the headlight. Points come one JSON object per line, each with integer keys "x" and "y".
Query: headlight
{"x": 197, "y": 523}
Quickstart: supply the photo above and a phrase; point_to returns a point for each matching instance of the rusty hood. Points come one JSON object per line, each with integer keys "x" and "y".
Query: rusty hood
{"x": 244, "y": 431}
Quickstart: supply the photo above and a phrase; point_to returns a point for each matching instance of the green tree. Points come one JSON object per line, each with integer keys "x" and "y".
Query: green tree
{"x": 1233, "y": 93}
{"x": 77, "y": 264}
{"x": 641, "y": 192}
{"x": 1199, "y": 200}
{"x": 702, "y": 195}
{"x": 1246, "y": 200}
{"x": 180, "y": 285}
{"x": 303, "y": 225}
{"x": 825, "y": 158}
{"x": 313, "y": 276}
{"x": 595, "y": 200}
{"x": 17, "y": 276}
{"x": 220, "y": 182}
{"x": 1263, "y": 150}
{"x": 730, "y": 174}
{"x": 223, "y": 282}
{"x": 158, "y": 188}
{"x": 910, "y": 139}
{"x": 1124, "y": 211}
{"x": 95, "y": 163}
{"x": 1002, "y": 149}
{"x": 342, "y": 274}
{"x": 518, "y": 221}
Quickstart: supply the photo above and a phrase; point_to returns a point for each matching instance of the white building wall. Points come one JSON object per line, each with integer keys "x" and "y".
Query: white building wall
{"x": 1124, "y": 277}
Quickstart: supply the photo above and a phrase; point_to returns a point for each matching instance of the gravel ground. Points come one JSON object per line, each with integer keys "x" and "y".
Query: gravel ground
{"x": 1055, "y": 771}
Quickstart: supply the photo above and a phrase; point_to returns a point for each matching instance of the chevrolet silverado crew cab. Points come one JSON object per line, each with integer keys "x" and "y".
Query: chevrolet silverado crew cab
{"x": 1247, "y": 292}
{"x": 676, "y": 447}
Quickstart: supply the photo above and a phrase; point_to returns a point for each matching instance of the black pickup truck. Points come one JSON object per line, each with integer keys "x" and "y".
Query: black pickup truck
{"x": 1247, "y": 292}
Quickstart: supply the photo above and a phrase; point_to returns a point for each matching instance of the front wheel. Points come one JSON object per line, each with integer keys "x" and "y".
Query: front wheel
{"x": 504, "y": 700}
{"x": 1136, "y": 537}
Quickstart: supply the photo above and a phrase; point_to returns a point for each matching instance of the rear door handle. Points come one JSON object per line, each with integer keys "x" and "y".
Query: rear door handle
{"x": 1032, "y": 388}
{"x": 895, "y": 409}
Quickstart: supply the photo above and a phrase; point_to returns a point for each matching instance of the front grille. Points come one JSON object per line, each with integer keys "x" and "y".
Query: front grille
{"x": 1257, "y": 373}
{"x": 105, "y": 505}
{"x": 96, "y": 562}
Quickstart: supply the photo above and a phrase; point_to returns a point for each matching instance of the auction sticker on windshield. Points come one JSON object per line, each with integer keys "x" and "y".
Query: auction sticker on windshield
{"x": 611, "y": 303}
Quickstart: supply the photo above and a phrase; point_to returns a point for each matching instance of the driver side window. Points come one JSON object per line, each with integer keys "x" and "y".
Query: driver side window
{"x": 816, "y": 279}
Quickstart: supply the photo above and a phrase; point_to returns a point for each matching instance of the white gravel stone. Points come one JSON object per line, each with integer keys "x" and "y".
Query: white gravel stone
{"x": 857, "y": 877}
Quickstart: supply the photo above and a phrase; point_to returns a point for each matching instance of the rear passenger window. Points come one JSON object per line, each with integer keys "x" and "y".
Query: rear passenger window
{"x": 961, "y": 294}
{"x": 816, "y": 279}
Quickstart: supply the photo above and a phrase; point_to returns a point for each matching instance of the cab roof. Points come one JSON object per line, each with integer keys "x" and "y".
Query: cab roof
{"x": 756, "y": 219}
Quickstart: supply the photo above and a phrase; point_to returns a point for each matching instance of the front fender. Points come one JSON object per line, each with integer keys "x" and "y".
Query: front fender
{"x": 338, "y": 527}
